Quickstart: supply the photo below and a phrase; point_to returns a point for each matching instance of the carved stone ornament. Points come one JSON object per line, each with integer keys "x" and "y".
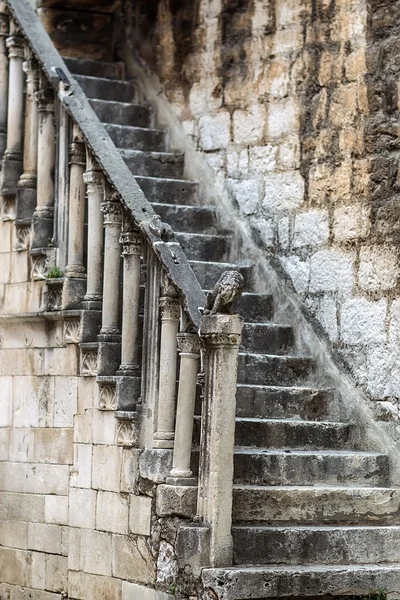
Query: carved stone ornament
{"x": 189, "y": 343}
{"x": 54, "y": 300}
{"x": 107, "y": 397}
{"x": 94, "y": 181}
{"x": 16, "y": 46}
{"x": 39, "y": 267}
{"x": 72, "y": 331}
{"x": 77, "y": 154}
{"x": 161, "y": 229}
{"x": 23, "y": 235}
{"x": 222, "y": 340}
{"x": 228, "y": 288}
{"x": 127, "y": 433}
{"x": 112, "y": 212}
{"x": 131, "y": 243}
{"x": 88, "y": 363}
{"x": 45, "y": 99}
{"x": 168, "y": 288}
{"x": 8, "y": 210}
{"x": 170, "y": 309}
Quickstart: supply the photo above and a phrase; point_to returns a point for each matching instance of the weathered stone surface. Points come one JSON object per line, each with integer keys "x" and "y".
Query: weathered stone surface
{"x": 132, "y": 554}
{"x": 112, "y": 512}
{"x": 140, "y": 515}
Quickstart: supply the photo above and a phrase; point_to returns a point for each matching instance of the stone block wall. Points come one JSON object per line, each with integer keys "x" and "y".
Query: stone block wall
{"x": 73, "y": 521}
{"x": 294, "y": 105}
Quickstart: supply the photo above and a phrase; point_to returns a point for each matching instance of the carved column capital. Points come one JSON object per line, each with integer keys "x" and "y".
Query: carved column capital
{"x": 170, "y": 308}
{"x": 45, "y": 99}
{"x": 131, "y": 243}
{"x": 77, "y": 154}
{"x": 189, "y": 344}
{"x": 112, "y": 212}
{"x": 30, "y": 65}
{"x": 221, "y": 331}
{"x": 94, "y": 181}
{"x": 16, "y": 46}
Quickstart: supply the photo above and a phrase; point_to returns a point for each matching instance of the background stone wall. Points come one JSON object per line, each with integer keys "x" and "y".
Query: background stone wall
{"x": 294, "y": 104}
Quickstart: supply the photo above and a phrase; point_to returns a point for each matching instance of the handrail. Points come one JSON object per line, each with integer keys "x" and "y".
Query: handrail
{"x": 76, "y": 103}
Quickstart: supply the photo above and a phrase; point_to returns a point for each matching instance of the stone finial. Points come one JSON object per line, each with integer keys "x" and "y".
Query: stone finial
{"x": 228, "y": 288}
{"x": 161, "y": 229}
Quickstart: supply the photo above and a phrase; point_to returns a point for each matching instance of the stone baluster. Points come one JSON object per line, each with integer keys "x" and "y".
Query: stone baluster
{"x": 76, "y": 213}
{"x": 112, "y": 209}
{"x": 131, "y": 251}
{"x": 12, "y": 159}
{"x": 221, "y": 335}
{"x": 189, "y": 352}
{"x": 170, "y": 313}
{"x": 43, "y": 216}
{"x": 94, "y": 180}
{"x": 4, "y": 29}
{"x": 26, "y": 192}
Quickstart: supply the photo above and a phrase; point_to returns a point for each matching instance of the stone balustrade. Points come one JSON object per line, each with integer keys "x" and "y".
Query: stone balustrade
{"x": 145, "y": 353}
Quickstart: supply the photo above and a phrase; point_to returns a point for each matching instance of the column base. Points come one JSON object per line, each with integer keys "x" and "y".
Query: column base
{"x": 92, "y": 304}
{"x": 181, "y": 481}
{"x": 73, "y": 292}
{"x": 26, "y": 200}
{"x": 128, "y": 392}
{"x": 42, "y": 231}
{"x": 109, "y": 357}
{"x": 12, "y": 168}
{"x": 162, "y": 443}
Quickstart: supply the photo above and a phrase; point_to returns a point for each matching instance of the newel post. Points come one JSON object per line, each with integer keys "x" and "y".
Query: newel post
{"x": 221, "y": 336}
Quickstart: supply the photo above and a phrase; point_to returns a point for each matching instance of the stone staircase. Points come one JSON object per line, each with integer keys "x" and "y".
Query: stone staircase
{"x": 313, "y": 513}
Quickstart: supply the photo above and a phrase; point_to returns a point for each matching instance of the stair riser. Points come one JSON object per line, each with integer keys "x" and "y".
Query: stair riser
{"x": 272, "y": 370}
{"x": 122, "y": 114}
{"x": 271, "y": 339}
{"x": 198, "y": 247}
{"x": 262, "y": 546}
{"x": 120, "y": 91}
{"x": 255, "y": 308}
{"x": 297, "y": 469}
{"x": 281, "y": 434}
{"x": 95, "y": 69}
{"x": 168, "y": 191}
{"x": 188, "y": 219}
{"x": 147, "y": 166}
{"x": 209, "y": 273}
{"x": 272, "y": 403}
{"x": 137, "y": 139}
{"x": 314, "y": 506}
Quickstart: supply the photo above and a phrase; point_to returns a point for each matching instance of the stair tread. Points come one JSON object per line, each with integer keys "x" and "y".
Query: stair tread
{"x": 305, "y": 568}
{"x": 135, "y": 128}
{"x": 106, "y": 80}
{"x": 290, "y": 452}
{"x": 130, "y": 152}
{"x": 314, "y": 528}
{"x": 118, "y": 102}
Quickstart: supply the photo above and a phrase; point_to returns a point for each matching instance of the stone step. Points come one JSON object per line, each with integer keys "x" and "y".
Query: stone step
{"x": 169, "y": 191}
{"x": 269, "y": 369}
{"x": 121, "y": 113}
{"x": 154, "y": 164}
{"x": 263, "y": 401}
{"x": 310, "y": 467}
{"x": 208, "y": 272}
{"x": 255, "y": 308}
{"x": 299, "y": 435}
{"x": 312, "y": 505}
{"x": 94, "y": 68}
{"x": 139, "y": 138}
{"x": 193, "y": 219}
{"x": 101, "y": 88}
{"x": 260, "y": 583}
{"x": 264, "y": 545}
{"x": 199, "y": 246}
{"x": 267, "y": 337}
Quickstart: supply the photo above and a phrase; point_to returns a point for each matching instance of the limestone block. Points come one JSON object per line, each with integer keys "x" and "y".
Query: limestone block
{"x": 34, "y": 478}
{"x": 311, "y": 228}
{"x": 5, "y": 268}
{"x": 66, "y": 399}
{"x": 278, "y": 77}
{"x": 289, "y": 154}
{"x": 130, "y": 554}
{"x": 82, "y": 508}
{"x": 53, "y": 445}
{"x": 351, "y": 222}
{"x": 95, "y": 552}
{"x": 332, "y": 271}
{"x": 81, "y": 471}
{"x": 343, "y": 106}
{"x": 248, "y": 126}
{"x": 14, "y": 534}
{"x": 26, "y": 401}
{"x": 20, "y": 267}
{"x": 56, "y": 573}
{"x": 133, "y": 591}
{"x": 44, "y": 537}
{"x": 46, "y": 402}
{"x": 140, "y": 515}
{"x": 283, "y": 191}
{"x": 289, "y": 12}
{"x": 247, "y": 195}
{"x": 237, "y": 163}
{"x": 298, "y": 271}
{"x": 83, "y": 586}
{"x": 56, "y": 510}
{"x": 106, "y": 471}
{"x": 15, "y": 566}
{"x": 24, "y": 297}
{"x": 319, "y": 183}
{"x": 263, "y": 159}
{"x": 394, "y": 323}
{"x": 7, "y": 228}
{"x": 130, "y": 470}
{"x": 282, "y": 118}
{"x": 4, "y": 442}
{"x": 155, "y": 464}
{"x": 104, "y": 427}
{"x": 176, "y": 500}
{"x": 6, "y": 402}
{"x": 287, "y": 39}
{"x": 74, "y": 545}
{"x": 378, "y": 268}
{"x": 215, "y": 131}
{"x": 112, "y": 512}
{"x": 284, "y": 231}
{"x": 62, "y": 361}
{"x": 21, "y": 445}
{"x": 363, "y": 321}
{"x": 21, "y": 507}
{"x": 87, "y": 394}
{"x": 83, "y": 428}
{"x": 167, "y": 564}
{"x": 38, "y": 570}
{"x": 327, "y": 316}
{"x": 265, "y": 229}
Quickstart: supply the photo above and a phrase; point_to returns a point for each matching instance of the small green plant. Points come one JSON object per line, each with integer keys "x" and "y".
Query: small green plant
{"x": 172, "y": 588}
{"x": 378, "y": 595}
{"x": 55, "y": 273}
